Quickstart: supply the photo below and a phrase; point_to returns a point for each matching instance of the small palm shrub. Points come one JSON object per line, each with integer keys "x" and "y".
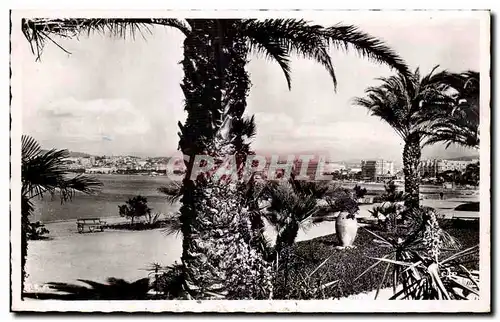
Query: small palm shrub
{"x": 389, "y": 215}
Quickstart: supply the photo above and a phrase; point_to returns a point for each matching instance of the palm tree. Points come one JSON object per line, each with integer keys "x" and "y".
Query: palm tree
{"x": 458, "y": 124}
{"x": 45, "y": 173}
{"x": 403, "y": 102}
{"x": 215, "y": 87}
{"x": 289, "y": 210}
{"x": 287, "y": 206}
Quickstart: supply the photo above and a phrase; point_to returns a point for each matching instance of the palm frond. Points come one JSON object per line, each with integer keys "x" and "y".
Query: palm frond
{"x": 425, "y": 106}
{"x": 273, "y": 51}
{"x": 286, "y": 36}
{"x": 40, "y": 30}
{"x": 174, "y": 225}
{"x": 48, "y": 172}
{"x": 173, "y": 191}
{"x": 368, "y": 46}
{"x": 389, "y": 102}
{"x": 80, "y": 183}
{"x": 30, "y": 148}
{"x": 455, "y": 117}
{"x": 460, "y": 254}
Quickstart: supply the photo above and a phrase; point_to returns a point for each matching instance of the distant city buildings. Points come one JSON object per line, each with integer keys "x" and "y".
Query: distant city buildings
{"x": 370, "y": 170}
{"x": 116, "y": 164}
{"x": 377, "y": 169}
{"x": 432, "y": 167}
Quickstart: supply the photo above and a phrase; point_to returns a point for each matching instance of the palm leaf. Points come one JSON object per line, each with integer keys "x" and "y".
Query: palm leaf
{"x": 368, "y": 269}
{"x": 382, "y": 280}
{"x": 285, "y": 36}
{"x": 30, "y": 148}
{"x": 40, "y": 30}
{"x": 47, "y": 172}
{"x": 174, "y": 226}
{"x": 462, "y": 253}
{"x": 408, "y": 289}
{"x": 172, "y": 191}
{"x": 368, "y": 46}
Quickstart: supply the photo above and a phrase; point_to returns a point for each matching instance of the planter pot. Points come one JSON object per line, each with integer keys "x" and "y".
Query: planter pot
{"x": 346, "y": 229}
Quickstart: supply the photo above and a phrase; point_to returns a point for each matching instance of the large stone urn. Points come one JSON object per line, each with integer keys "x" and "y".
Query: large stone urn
{"x": 346, "y": 227}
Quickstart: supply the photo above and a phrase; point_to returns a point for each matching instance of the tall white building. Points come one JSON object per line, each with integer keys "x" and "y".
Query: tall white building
{"x": 377, "y": 169}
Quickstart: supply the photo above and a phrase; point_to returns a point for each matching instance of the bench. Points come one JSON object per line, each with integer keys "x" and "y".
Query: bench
{"x": 93, "y": 224}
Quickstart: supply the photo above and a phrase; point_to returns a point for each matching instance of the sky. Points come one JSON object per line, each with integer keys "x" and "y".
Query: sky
{"x": 122, "y": 96}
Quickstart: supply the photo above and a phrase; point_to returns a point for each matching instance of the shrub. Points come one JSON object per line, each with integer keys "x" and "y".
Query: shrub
{"x": 343, "y": 201}
{"x": 390, "y": 194}
{"x": 388, "y": 215}
{"x": 134, "y": 208}
{"x": 36, "y": 231}
{"x": 359, "y": 192}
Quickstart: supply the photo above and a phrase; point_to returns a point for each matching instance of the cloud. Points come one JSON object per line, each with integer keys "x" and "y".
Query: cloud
{"x": 274, "y": 122}
{"x": 92, "y": 120}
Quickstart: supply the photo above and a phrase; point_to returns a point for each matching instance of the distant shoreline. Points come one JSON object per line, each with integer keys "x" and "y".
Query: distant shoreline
{"x": 118, "y": 188}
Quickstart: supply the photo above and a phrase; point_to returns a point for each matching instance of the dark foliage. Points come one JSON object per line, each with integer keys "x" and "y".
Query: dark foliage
{"x": 470, "y": 176}
{"x": 343, "y": 200}
{"x": 459, "y": 123}
{"x": 37, "y": 231}
{"x": 347, "y": 265}
{"x": 359, "y": 192}
{"x": 135, "y": 207}
{"x": 390, "y": 194}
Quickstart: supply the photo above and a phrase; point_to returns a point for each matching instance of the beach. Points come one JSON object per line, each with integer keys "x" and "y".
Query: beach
{"x": 97, "y": 256}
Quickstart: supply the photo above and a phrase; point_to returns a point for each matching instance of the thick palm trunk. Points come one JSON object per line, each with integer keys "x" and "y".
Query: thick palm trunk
{"x": 217, "y": 258}
{"x": 411, "y": 160}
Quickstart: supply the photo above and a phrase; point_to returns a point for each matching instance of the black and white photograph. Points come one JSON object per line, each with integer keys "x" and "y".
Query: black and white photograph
{"x": 250, "y": 161}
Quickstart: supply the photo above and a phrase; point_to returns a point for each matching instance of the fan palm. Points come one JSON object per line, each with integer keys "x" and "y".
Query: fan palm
{"x": 403, "y": 102}
{"x": 215, "y": 87}
{"x": 45, "y": 173}
{"x": 458, "y": 124}
{"x": 289, "y": 210}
